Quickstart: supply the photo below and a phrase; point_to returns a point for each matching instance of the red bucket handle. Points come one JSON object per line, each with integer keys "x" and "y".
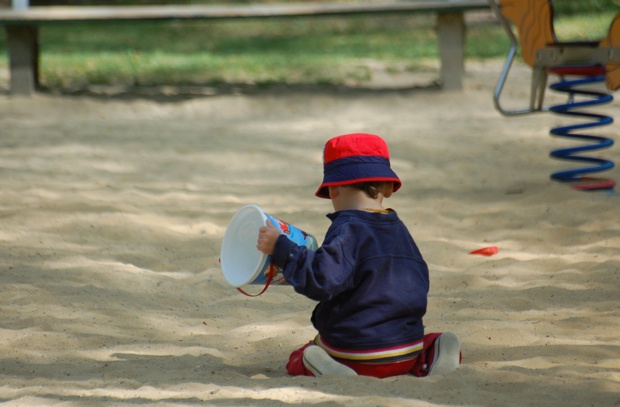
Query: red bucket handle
{"x": 270, "y": 275}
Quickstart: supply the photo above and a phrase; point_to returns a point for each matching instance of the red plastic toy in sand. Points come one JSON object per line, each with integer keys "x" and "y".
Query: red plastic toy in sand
{"x": 486, "y": 251}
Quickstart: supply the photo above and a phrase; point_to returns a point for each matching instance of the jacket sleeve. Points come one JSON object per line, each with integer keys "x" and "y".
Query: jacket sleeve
{"x": 319, "y": 275}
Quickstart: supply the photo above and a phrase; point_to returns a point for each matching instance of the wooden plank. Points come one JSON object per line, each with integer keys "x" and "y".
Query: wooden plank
{"x": 54, "y": 14}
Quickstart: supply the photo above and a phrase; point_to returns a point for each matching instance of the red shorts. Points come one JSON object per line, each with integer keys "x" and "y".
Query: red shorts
{"x": 417, "y": 367}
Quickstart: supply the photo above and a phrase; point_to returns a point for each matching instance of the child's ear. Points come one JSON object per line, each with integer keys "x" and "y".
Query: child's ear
{"x": 333, "y": 192}
{"x": 388, "y": 190}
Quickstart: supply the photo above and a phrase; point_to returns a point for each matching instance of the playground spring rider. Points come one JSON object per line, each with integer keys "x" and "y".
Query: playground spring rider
{"x": 588, "y": 62}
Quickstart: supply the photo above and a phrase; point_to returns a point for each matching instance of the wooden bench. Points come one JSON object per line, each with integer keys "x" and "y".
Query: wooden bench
{"x": 21, "y": 27}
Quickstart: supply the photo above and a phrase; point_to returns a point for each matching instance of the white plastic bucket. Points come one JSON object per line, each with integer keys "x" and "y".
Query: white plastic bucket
{"x": 242, "y": 263}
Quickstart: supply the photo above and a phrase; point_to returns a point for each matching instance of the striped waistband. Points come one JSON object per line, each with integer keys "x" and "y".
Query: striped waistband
{"x": 398, "y": 353}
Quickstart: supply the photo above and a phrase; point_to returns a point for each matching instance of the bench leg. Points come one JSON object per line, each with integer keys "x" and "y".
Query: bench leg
{"x": 23, "y": 51}
{"x": 451, "y": 33}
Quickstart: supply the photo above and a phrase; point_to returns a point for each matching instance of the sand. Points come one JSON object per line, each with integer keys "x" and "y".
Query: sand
{"x": 114, "y": 207}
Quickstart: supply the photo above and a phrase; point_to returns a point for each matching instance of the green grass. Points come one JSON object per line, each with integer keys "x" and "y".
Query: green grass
{"x": 290, "y": 51}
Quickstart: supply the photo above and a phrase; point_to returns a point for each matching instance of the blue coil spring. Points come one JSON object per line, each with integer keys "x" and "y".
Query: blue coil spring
{"x": 578, "y": 176}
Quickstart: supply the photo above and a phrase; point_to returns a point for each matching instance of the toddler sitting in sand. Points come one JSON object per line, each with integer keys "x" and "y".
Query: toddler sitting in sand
{"x": 368, "y": 276}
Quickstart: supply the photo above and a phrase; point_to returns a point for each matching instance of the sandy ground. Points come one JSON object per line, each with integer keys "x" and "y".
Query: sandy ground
{"x": 114, "y": 207}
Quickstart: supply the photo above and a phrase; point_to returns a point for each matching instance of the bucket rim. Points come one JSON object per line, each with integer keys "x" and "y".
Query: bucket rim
{"x": 261, "y": 259}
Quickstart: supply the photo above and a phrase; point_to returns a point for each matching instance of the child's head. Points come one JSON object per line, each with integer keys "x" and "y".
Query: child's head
{"x": 359, "y": 160}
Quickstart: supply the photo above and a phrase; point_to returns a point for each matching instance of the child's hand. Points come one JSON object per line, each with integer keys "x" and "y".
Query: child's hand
{"x": 267, "y": 236}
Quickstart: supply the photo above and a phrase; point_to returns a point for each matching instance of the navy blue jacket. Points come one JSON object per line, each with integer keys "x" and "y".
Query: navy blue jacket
{"x": 368, "y": 276}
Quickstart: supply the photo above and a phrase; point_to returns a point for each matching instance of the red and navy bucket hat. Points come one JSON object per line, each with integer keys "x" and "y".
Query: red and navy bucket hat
{"x": 354, "y": 158}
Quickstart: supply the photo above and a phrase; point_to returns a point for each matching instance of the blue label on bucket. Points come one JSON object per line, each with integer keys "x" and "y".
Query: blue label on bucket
{"x": 295, "y": 234}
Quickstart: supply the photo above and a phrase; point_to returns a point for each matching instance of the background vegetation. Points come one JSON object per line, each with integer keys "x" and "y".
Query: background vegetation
{"x": 325, "y": 50}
